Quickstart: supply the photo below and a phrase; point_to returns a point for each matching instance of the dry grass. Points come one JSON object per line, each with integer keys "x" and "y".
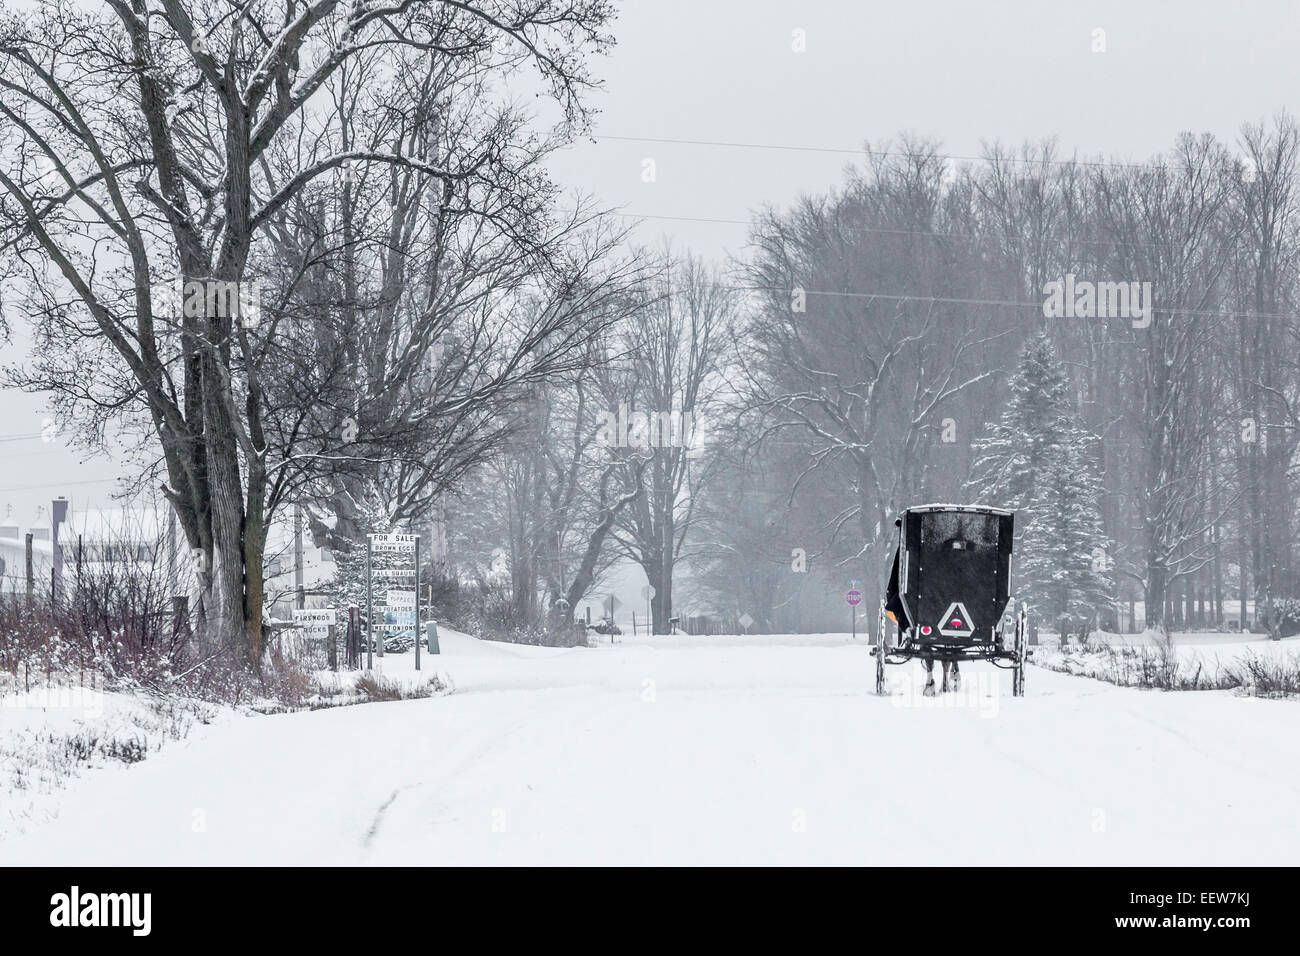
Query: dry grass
{"x": 1160, "y": 667}
{"x": 376, "y": 687}
{"x": 39, "y": 760}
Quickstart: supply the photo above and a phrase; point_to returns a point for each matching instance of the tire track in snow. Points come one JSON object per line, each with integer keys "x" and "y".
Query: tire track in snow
{"x": 541, "y": 709}
{"x": 1216, "y": 757}
{"x": 379, "y": 817}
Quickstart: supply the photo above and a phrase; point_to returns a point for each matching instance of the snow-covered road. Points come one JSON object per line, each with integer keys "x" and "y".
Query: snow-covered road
{"x": 706, "y": 750}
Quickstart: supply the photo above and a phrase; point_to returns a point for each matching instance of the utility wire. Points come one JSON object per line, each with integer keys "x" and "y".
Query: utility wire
{"x": 868, "y": 151}
{"x": 60, "y": 484}
{"x": 999, "y": 303}
{"x": 907, "y": 232}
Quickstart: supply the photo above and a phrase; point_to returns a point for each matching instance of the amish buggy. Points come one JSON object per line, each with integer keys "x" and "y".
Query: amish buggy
{"x": 948, "y": 593}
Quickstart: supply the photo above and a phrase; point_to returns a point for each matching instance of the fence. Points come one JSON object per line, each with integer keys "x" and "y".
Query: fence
{"x": 17, "y": 556}
{"x": 704, "y": 625}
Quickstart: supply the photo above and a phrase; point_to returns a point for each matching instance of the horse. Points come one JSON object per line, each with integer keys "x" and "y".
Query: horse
{"x": 951, "y": 669}
{"x": 953, "y": 666}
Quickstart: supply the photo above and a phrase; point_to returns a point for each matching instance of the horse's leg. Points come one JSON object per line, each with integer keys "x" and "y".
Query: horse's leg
{"x": 956, "y": 675}
{"x": 947, "y": 665}
{"x": 929, "y": 675}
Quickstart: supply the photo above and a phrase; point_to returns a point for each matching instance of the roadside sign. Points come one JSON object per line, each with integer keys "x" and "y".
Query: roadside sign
{"x": 314, "y": 622}
{"x": 853, "y": 597}
{"x": 390, "y": 547}
{"x": 395, "y": 539}
{"x": 325, "y": 615}
{"x": 400, "y": 610}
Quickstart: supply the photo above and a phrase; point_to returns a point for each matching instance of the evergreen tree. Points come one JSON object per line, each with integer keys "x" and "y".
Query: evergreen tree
{"x": 1037, "y": 460}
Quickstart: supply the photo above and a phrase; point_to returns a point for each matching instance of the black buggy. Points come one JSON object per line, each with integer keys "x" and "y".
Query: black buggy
{"x": 948, "y": 591}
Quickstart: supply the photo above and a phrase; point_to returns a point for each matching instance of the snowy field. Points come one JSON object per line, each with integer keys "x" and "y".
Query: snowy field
{"x": 1199, "y": 645}
{"x": 1193, "y": 660}
{"x": 51, "y": 735}
{"x": 718, "y": 750}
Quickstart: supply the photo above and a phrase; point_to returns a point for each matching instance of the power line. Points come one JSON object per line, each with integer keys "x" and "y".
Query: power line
{"x": 55, "y": 485}
{"x": 1000, "y": 303}
{"x": 37, "y": 453}
{"x": 866, "y": 150}
{"x": 906, "y": 232}
{"x": 638, "y": 215}
{"x": 727, "y": 145}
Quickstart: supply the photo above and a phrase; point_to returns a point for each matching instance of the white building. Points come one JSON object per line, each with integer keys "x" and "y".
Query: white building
{"x": 150, "y": 541}
{"x": 13, "y": 556}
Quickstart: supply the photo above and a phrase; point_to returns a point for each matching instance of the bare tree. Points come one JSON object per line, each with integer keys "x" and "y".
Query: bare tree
{"x": 1267, "y": 377}
{"x": 661, "y": 403}
{"x": 181, "y": 173}
{"x": 1167, "y": 215}
{"x": 855, "y": 357}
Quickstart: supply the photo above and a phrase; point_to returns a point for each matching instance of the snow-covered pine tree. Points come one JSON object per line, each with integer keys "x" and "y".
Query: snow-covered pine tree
{"x": 1037, "y": 460}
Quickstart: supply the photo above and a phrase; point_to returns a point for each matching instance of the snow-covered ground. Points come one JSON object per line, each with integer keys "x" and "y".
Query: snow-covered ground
{"x": 678, "y": 750}
{"x": 50, "y": 734}
{"x": 1190, "y": 661}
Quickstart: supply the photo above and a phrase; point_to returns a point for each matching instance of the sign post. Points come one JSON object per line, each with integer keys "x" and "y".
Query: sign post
{"x": 370, "y": 611}
{"x": 853, "y": 597}
{"x": 317, "y": 624}
{"x": 415, "y": 599}
{"x": 314, "y": 622}
{"x": 402, "y": 601}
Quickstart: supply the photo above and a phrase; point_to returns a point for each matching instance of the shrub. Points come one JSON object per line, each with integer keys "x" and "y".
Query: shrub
{"x": 376, "y": 687}
{"x": 1158, "y": 667}
{"x": 116, "y": 622}
{"x": 1269, "y": 676}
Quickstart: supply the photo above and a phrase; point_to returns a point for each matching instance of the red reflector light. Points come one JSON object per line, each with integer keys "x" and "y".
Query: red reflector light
{"x": 956, "y": 623}
{"x": 925, "y": 628}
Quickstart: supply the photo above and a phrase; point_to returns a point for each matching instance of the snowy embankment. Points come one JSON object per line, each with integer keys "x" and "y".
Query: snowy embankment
{"x": 53, "y": 732}
{"x": 1248, "y": 663}
{"x": 747, "y": 750}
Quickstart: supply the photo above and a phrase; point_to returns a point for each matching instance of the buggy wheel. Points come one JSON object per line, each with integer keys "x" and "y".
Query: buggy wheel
{"x": 1019, "y": 650}
{"x": 880, "y": 652}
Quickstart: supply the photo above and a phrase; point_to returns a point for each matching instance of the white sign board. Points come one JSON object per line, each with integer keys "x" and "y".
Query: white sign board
{"x": 399, "y": 611}
{"x": 315, "y": 622}
{"x": 393, "y": 542}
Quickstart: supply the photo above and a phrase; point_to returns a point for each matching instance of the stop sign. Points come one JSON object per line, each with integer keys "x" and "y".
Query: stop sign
{"x": 854, "y": 597}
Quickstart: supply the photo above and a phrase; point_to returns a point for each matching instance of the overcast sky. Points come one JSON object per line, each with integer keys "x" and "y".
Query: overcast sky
{"x": 961, "y": 73}
{"x": 956, "y": 71}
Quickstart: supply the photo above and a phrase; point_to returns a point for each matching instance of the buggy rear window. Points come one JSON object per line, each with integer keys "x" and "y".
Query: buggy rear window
{"x": 961, "y": 530}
